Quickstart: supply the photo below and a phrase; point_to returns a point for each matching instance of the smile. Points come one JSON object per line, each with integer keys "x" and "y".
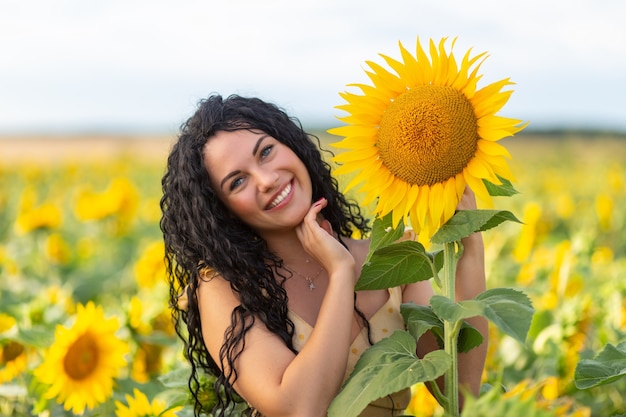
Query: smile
{"x": 279, "y": 199}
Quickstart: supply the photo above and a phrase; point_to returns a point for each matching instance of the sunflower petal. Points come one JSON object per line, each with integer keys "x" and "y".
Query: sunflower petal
{"x": 436, "y": 201}
{"x": 426, "y": 69}
{"x": 477, "y": 186}
{"x": 385, "y": 80}
{"x": 356, "y": 155}
{"x": 411, "y": 197}
{"x": 356, "y": 142}
{"x": 450, "y": 198}
{"x": 355, "y": 130}
{"x": 423, "y": 203}
{"x": 489, "y": 100}
{"x": 493, "y": 148}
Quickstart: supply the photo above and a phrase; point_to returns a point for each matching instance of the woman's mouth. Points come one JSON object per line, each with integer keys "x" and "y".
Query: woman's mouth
{"x": 280, "y": 197}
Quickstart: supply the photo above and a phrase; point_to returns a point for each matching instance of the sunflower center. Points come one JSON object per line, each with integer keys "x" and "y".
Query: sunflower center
{"x": 82, "y": 357}
{"x": 428, "y": 134}
{"x": 10, "y": 352}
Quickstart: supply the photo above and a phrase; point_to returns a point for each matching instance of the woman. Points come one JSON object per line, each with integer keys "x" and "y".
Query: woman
{"x": 259, "y": 236}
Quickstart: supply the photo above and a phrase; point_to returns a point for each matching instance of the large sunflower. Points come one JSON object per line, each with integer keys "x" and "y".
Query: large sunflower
{"x": 419, "y": 136}
{"x": 83, "y": 360}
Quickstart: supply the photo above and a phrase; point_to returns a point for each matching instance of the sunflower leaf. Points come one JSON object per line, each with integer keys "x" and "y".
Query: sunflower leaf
{"x": 398, "y": 264}
{"x": 388, "y": 366}
{"x": 466, "y": 222}
{"x": 420, "y": 319}
{"x": 38, "y": 336}
{"x": 505, "y": 189}
{"x": 509, "y": 309}
{"x": 608, "y": 366}
{"x": 384, "y": 234}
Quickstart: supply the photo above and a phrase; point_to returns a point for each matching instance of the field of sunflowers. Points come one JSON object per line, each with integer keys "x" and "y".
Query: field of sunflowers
{"x": 84, "y": 320}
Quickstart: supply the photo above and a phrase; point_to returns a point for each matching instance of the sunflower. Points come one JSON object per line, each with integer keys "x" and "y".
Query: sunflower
{"x": 140, "y": 406}
{"x": 83, "y": 361}
{"x": 13, "y": 360}
{"x": 422, "y": 133}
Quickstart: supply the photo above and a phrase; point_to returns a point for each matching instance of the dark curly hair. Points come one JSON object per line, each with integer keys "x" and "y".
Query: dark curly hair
{"x": 202, "y": 235}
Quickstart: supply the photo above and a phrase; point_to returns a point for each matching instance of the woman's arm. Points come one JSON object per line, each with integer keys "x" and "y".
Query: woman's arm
{"x": 270, "y": 377}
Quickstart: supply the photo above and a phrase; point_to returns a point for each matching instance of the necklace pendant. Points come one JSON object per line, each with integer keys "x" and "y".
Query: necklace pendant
{"x": 311, "y": 285}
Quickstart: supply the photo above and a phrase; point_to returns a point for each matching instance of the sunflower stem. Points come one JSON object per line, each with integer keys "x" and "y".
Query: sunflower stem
{"x": 451, "y": 331}
{"x": 435, "y": 274}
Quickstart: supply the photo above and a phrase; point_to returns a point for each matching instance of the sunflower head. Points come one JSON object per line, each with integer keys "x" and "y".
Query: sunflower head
{"x": 421, "y": 133}
{"x": 83, "y": 361}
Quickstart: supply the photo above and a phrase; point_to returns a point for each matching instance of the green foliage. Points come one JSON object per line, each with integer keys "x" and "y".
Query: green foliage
{"x": 608, "y": 366}
{"x": 397, "y": 264}
{"x": 466, "y": 222}
{"x": 505, "y": 189}
{"x": 420, "y": 319}
{"x": 494, "y": 403}
{"x": 508, "y": 309}
{"x": 385, "y": 368}
{"x": 392, "y": 364}
{"x": 384, "y": 234}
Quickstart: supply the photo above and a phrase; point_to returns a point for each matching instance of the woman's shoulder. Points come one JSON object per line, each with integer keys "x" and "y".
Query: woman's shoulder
{"x": 358, "y": 248}
{"x": 213, "y": 287}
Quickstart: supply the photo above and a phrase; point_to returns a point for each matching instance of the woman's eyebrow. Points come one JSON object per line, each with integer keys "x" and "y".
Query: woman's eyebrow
{"x": 257, "y": 145}
{"x": 227, "y": 177}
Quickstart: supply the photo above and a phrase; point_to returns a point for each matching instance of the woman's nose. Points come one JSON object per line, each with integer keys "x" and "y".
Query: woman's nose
{"x": 267, "y": 180}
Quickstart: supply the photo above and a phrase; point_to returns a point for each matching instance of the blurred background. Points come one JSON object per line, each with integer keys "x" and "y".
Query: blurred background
{"x": 92, "y": 95}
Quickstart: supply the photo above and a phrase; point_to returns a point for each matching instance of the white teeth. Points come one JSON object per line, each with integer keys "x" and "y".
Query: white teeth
{"x": 281, "y": 197}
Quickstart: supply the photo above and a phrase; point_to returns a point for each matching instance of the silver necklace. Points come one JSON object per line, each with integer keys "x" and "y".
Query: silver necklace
{"x": 308, "y": 279}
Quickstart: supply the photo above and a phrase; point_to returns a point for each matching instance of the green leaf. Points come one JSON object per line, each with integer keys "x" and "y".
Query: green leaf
{"x": 387, "y": 367}
{"x": 466, "y": 222}
{"x": 178, "y": 378}
{"x": 469, "y": 338}
{"x": 509, "y": 309}
{"x": 608, "y": 366}
{"x": 36, "y": 336}
{"x": 505, "y": 189}
{"x": 394, "y": 265}
{"x": 384, "y": 234}
{"x": 420, "y": 319}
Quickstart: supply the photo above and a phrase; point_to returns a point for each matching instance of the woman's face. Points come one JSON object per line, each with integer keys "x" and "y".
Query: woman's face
{"x": 259, "y": 179}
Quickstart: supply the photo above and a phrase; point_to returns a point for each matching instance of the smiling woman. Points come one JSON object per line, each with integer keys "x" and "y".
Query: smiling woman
{"x": 249, "y": 203}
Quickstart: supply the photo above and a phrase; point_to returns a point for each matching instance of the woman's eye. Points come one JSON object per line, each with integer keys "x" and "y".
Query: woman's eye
{"x": 266, "y": 151}
{"x": 236, "y": 183}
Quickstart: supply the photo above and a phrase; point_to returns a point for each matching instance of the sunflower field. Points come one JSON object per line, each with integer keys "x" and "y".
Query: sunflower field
{"x": 84, "y": 320}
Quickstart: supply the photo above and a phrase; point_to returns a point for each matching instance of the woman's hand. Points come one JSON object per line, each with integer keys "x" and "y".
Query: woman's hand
{"x": 319, "y": 241}
{"x": 468, "y": 200}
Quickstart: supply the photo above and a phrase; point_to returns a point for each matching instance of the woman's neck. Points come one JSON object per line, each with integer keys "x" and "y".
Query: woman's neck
{"x": 287, "y": 246}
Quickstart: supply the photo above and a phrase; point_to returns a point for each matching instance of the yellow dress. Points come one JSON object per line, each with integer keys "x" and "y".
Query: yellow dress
{"x": 382, "y": 324}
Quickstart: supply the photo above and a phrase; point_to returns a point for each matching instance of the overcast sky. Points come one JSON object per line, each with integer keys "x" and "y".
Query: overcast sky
{"x": 143, "y": 65}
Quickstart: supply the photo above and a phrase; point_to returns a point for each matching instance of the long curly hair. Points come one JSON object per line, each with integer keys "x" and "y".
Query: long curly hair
{"x": 202, "y": 235}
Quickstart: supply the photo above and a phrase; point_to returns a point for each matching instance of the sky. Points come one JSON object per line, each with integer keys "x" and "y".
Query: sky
{"x": 142, "y": 65}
